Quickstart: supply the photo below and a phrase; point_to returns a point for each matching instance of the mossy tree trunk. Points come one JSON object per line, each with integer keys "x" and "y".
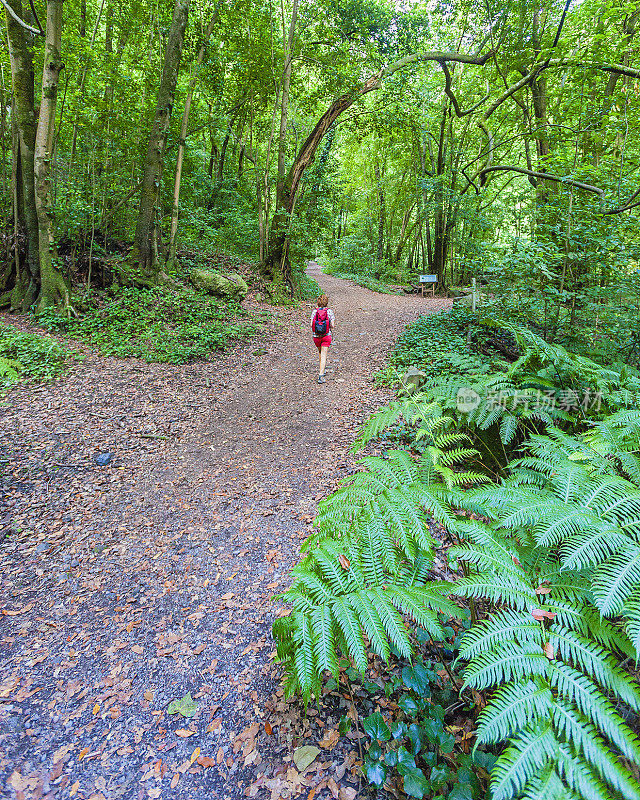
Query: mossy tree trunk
{"x": 144, "y": 254}
{"x": 53, "y": 287}
{"x": 23, "y": 116}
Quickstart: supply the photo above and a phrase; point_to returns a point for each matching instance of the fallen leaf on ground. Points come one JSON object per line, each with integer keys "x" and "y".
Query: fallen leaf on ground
{"x": 540, "y": 614}
{"x": 22, "y": 610}
{"x": 185, "y": 706}
{"x": 8, "y": 685}
{"x": 304, "y": 756}
{"x": 183, "y": 733}
{"x": 330, "y": 739}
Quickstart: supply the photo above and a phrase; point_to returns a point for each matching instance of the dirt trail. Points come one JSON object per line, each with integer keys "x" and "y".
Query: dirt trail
{"x": 127, "y": 585}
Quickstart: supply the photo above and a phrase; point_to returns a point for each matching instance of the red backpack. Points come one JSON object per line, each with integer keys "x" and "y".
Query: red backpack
{"x": 321, "y": 323}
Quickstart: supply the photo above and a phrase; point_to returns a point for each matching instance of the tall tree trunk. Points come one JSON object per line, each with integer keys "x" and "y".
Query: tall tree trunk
{"x": 182, "y": 142}
{"x": 539, "y": 99}
{"x": 287, "y": 45}
{"x": 24, "y": 117}
{"x": 53, "y": 288}
{"x": 80, "y": 99}
{"x": 382, "y": 209}
{"x": 405, "y": 233}
{"x": 143, "y": 248}
{"x": 439, "y": 253}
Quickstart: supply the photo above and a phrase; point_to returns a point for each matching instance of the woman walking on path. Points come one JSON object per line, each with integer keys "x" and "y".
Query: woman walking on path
{"x": 322, "y": 323}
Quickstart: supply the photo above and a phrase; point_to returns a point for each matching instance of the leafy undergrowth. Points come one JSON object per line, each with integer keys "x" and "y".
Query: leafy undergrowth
{"x": 419, "y": 735}
{"x": 162, "y": 324}
{"x": 549, "y": 555}
{"x": 439, "y": 345}
{"x": 27, "y": 355}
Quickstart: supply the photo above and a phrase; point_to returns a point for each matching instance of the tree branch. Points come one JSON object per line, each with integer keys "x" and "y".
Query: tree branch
{"x": 21, "y": 22}
{"x": 454, "y": 100}
{"x": 545, "y": 176}
{"x": 627, "y": 206}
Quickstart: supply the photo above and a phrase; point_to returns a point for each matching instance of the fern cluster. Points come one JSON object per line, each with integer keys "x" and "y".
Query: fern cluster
{"x": 559, "y": 558}
{"x": 546, "y": 386}
{"x": 552, "y": 551}
{"x": 367, "y": 566}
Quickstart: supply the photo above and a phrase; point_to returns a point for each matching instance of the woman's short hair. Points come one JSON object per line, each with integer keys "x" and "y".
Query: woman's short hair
{"x": 323, "y": 301}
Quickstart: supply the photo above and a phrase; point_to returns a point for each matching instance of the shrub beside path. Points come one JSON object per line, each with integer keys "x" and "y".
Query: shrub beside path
{"x": 127, "y": 585}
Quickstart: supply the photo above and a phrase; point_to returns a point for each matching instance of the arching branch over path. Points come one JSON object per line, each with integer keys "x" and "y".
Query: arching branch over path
{"x": 277, "y": 261}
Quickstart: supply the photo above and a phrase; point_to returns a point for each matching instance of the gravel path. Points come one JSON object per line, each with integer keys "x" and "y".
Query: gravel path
{"x": 125, "y": 586}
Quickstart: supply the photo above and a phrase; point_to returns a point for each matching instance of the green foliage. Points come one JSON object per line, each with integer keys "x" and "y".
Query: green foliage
{"x": 159, "y": 324}
{"x": 500, "y": 403}
{"x": 437, "y": 344}
{"x": 9, "y": 371}
{"x": 595, "y": 311}
{"x": 551, "y": 550}
{"x": 186, "y": 706}
{"x": 366, "y": 281}
{"x": 29, "y": 355}
{"x": 417, "y": 745}
{"x": 369, "y": 564}
{"x": 308, "y": 289}
{"x": 559, "y": 554}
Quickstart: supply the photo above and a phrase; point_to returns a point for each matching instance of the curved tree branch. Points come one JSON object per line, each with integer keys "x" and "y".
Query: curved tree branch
{"x": 627, "y": 206}
{"x": 35, "y": 16}
{"x": 544, "y": 176}
{"x": 21, "y": 22}
{"x": 454, "y": 100}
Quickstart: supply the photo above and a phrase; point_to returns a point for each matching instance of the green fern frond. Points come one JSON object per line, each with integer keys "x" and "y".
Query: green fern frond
{"x": 578, "y": 689}
{"x": 497, "y": 592}
{"x": 503, "y": 627}
{"x": 616, "y": 579}
{"x": 548, "y": 786}
{"x": 323, "y": 623}
{"x": 527, "y": 754}
{"x": 584, "y": 740}
{"x": 378, "y": 422}
{"x": 596, "y": 662}
{"x": 510, "y": 707}
{"x": 507, "y": 662}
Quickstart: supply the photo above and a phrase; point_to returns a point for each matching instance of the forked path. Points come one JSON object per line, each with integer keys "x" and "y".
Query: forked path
{"x": 128, "y": 585}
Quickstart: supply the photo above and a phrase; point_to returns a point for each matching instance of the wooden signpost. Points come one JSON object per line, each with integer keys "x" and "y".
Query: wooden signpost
{"x": 429, "y": 282}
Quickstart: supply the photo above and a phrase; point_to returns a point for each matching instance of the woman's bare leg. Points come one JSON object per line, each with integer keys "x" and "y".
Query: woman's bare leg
{"x": 323, "y": 359}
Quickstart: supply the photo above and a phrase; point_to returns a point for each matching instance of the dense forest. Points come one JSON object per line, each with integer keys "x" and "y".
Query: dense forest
{"x": 462, "y": 139}
{"x": 466, "y": 610}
